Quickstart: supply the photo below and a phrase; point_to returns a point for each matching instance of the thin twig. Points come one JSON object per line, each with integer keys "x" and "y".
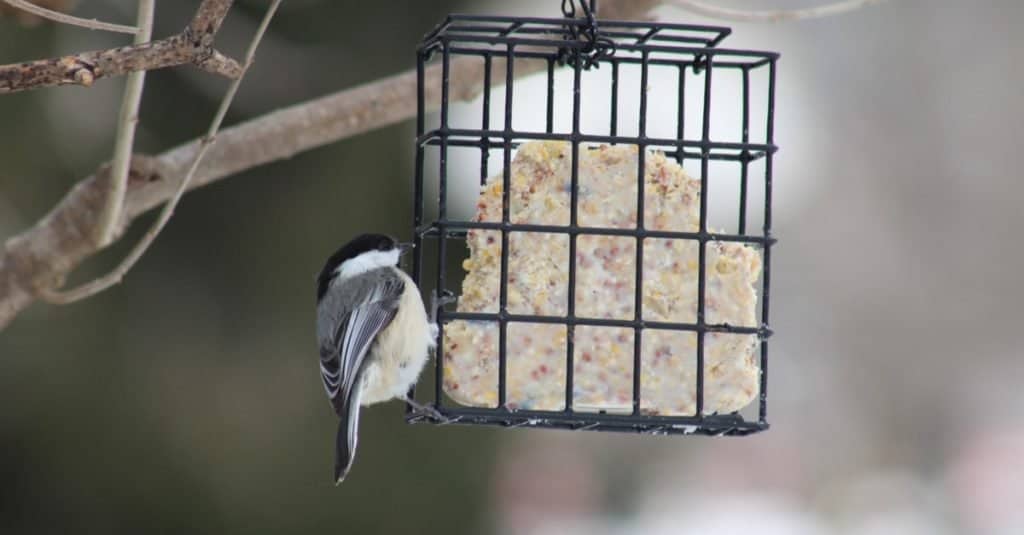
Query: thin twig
{"x": 64, "y": 18}
{"x": 110, "y": 218}
{"x": 115, "y": 276}
{"x": 782, "y": 15}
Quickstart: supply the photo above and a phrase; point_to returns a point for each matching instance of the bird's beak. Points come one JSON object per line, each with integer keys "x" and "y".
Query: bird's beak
{"x": 405, "y": 247}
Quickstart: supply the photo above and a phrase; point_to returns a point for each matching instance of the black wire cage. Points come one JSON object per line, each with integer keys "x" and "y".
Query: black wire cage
{"x": 579, "y": 44}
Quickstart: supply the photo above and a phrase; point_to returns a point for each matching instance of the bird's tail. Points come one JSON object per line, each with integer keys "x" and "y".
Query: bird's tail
{"x": 348, "y": 434}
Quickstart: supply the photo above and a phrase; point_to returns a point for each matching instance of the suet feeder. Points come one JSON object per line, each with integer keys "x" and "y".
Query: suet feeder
{"x": 597, "y": 299}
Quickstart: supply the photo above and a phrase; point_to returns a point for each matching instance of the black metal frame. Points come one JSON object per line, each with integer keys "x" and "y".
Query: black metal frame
{"x": 582, "y": 43}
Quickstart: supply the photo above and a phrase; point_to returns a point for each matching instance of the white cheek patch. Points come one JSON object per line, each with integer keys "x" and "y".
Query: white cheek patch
{"x": 367, "y": 261}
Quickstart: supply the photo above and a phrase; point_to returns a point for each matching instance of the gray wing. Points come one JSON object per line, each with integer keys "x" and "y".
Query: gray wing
{"x": 350, "y": 316}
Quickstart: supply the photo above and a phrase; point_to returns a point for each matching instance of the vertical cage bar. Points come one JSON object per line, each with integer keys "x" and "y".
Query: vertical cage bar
{"x": 485, "y": 122}
{"x": 705, "y": 154}
{"x": 681, "y": 117}
{"x": 745, "y": 155}
{"x": 766, "y": 279}
{"x": 551, "y": 96}
{"x": 417, "y": 210}
{"x": 574, "y": 182}
{"x": 442, "y": 208}
{"x": 638, "y": 304}
{"x": 417, "y": 198}
{"x": 613, "y": 128}
{"x": 506, "y": 181}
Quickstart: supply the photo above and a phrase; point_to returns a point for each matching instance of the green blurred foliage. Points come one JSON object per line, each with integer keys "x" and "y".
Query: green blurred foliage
{"x": 187, "y": 399}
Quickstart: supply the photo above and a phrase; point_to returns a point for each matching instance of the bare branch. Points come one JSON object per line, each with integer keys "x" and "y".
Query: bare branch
{"x": 781, "y": 15}
{"x": 42, "y": 255}
{"x": 289, "y": 131}
{"x": 64, "y": 18}
{"x": 207, "y": 20}
{"x": 87, "y": 67}
{"x": 124, "y": 142}
{"x": 193, "y": 45}
{"x": 115, "y": 276}
{"x": 217, "y": 63}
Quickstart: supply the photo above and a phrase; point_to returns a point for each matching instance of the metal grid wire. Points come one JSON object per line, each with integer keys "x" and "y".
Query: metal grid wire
{"x": 579, "y": 44}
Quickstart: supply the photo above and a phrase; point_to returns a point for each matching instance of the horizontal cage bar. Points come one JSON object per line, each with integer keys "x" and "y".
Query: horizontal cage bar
{"x": 511, "y": 42}
{"x": 686, "y": 61}
{"x": 762, "y": 332}
{"x": 508, "y": 25}
{"x": 654, "y": 34}
{"x": 650, "y": 142}
{"x": 716, "y": 154}
{"x": 456, "y": 17}
{"x": 703, "y": 237}
{"x": 707, "y": 425}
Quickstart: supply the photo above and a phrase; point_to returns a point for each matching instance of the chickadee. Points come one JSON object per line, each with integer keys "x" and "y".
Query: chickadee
{"x": 373, "y": 331}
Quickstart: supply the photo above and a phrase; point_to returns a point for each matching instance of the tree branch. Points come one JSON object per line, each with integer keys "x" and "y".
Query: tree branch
{"x": 64, "y": 18}
{"x": 740, "y": 15}
{"x": 41, "y": 256}
{"x": 207, "y": 20}
{"x": 115, "y": 276}
{"x": 124, "y": 141}
{"x": 193, "y": 45}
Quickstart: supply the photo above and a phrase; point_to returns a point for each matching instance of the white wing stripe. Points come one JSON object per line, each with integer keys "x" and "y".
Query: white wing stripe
{"x": 341, "y": 362}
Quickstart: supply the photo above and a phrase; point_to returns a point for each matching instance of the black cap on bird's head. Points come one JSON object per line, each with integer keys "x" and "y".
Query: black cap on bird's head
{"x": 365, "y": 243}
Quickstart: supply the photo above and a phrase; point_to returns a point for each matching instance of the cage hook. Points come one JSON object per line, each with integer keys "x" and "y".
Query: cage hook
{"x": 595, "y": 46}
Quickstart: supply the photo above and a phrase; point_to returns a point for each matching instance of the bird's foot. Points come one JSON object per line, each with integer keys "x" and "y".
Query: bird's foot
{"x": 438, "y": 300}
{"x": 427, "y": 409}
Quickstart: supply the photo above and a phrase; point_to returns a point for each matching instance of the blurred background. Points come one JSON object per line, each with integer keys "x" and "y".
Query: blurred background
{"x": 187, "y": 399}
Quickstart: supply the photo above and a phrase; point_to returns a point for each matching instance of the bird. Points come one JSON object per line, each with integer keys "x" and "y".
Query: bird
{"x": 373, "y": 331}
